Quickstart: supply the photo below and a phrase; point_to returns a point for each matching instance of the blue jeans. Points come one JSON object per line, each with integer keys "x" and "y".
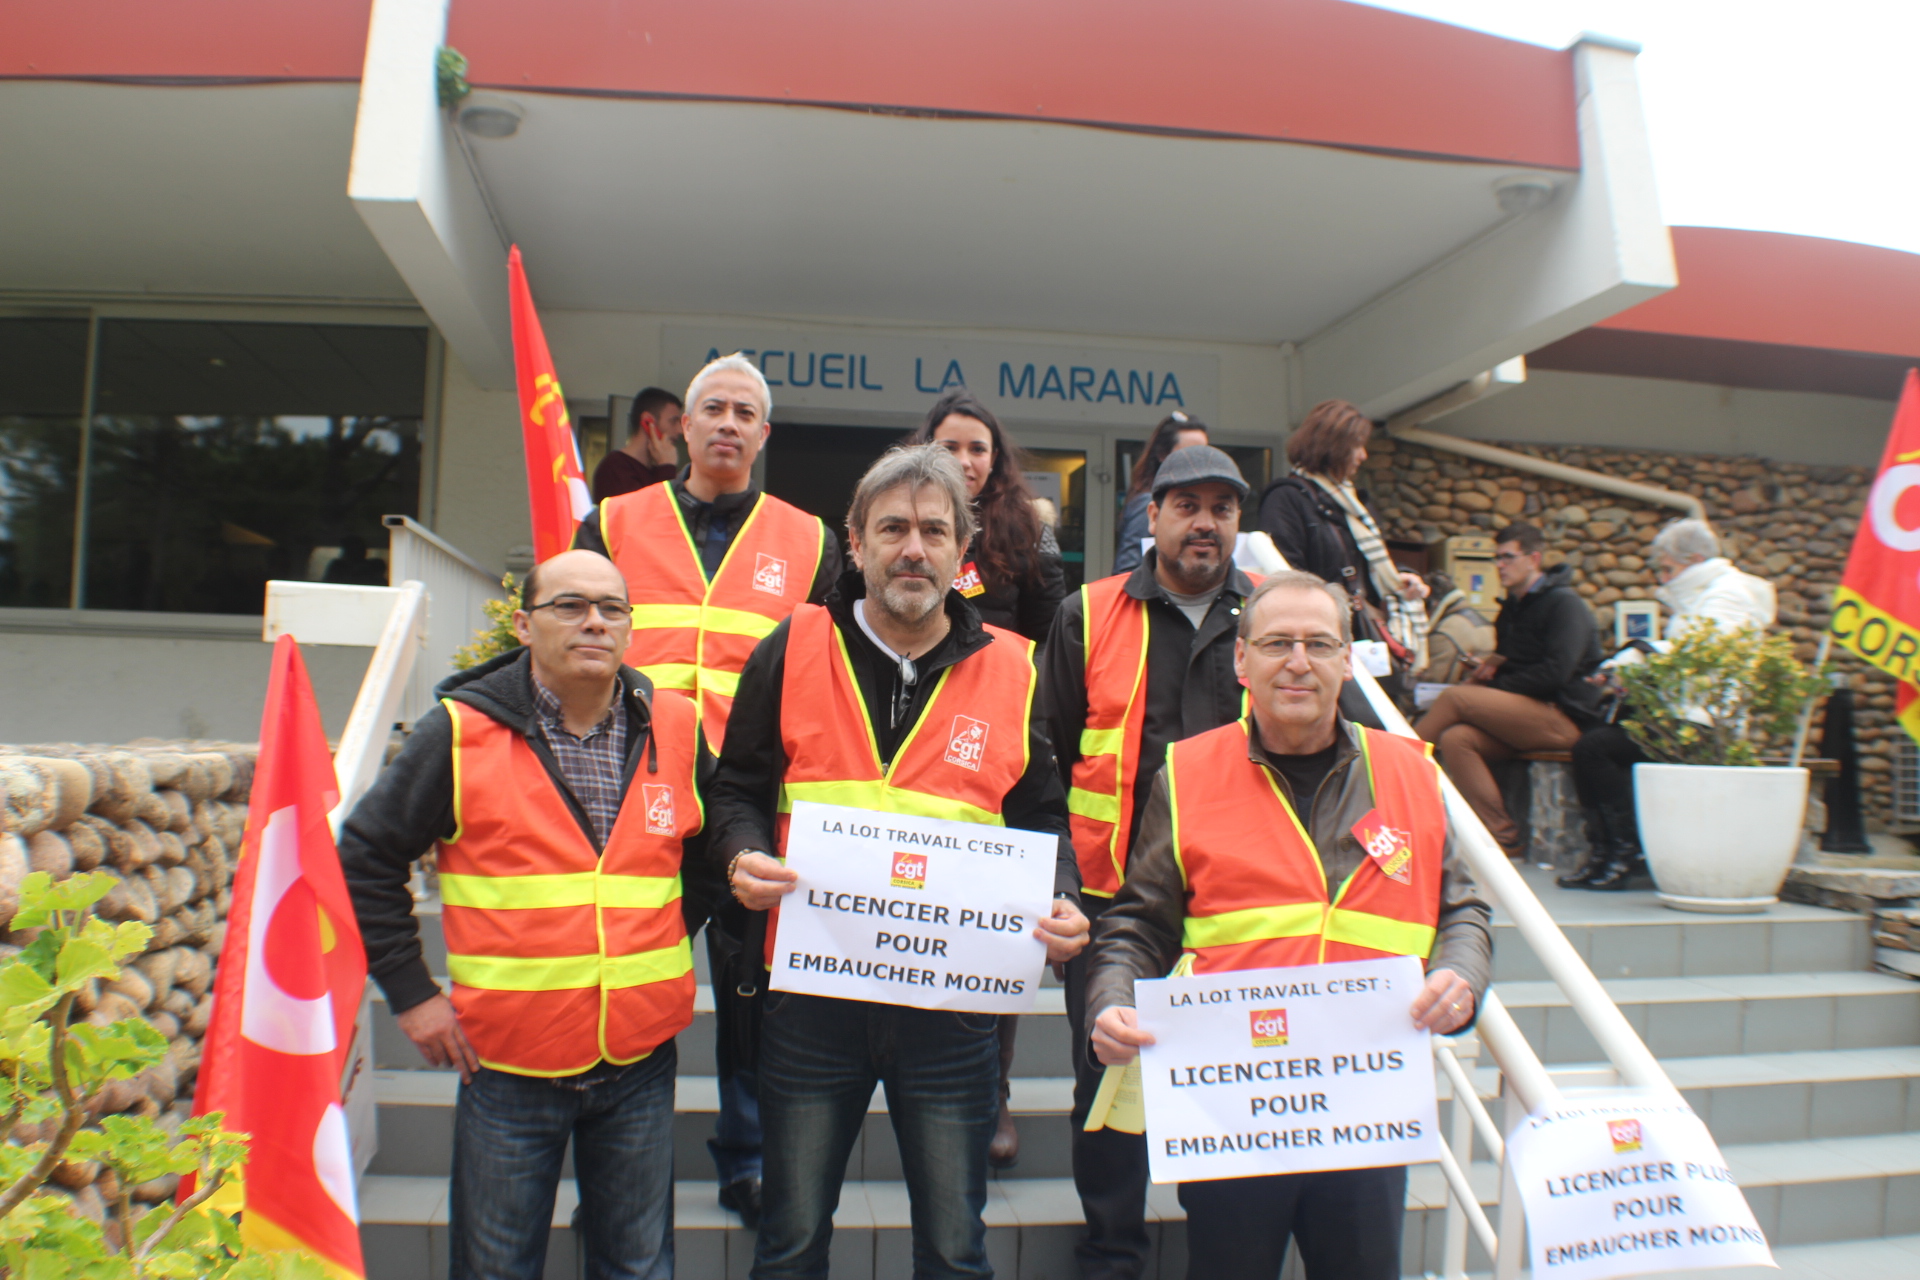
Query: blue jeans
{"x": 735, "y": 1144}
{"x": 509, "y": 1140}
{"x": 819, "y": 1061}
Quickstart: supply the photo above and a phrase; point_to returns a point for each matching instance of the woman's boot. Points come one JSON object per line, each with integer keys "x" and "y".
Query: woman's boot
{"x": 1624, "y": 857}
{"x": 1599, "y": 841}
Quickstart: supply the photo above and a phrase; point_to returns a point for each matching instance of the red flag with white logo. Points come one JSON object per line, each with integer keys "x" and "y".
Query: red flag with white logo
{"x": 557, "y": 493}
{"x": 1876, "y": 610}
{"x": 287, "y": 991}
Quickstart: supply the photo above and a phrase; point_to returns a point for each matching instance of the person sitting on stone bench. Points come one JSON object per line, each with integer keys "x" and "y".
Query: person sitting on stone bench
{"x": 1531, "y": 693}
{"x": 1698, "y": 585}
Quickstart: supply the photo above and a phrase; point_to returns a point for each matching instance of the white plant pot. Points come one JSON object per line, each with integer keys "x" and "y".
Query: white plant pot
{"x": 1719, "y": 838}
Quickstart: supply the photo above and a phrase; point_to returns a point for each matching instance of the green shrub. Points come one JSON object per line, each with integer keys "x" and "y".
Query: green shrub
{"x": 1713, "y": 693}
{"x": 497, "y": 637}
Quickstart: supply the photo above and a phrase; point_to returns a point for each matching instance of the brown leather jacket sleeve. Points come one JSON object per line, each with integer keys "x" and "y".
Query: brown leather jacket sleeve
{"x": 1139, "y": 935}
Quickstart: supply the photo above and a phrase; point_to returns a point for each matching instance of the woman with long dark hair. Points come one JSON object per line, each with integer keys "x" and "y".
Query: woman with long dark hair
{"x": 1176, "y": 431}
{"x": 1013, "y": 576}
{"x": 1012, "y": 571}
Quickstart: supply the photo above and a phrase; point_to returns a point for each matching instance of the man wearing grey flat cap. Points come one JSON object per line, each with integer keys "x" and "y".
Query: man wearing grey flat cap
{"x": 1135, "y": 662}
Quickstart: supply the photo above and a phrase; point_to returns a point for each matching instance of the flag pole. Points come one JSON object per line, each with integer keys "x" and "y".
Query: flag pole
{"x": 1806, "y": 712}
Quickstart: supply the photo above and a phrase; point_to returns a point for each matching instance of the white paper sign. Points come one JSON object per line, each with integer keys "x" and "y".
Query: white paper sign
{"x": 913, "y": 911}
{"x": 1622, "y": 1182}
{"x": 1287, "y": 1071}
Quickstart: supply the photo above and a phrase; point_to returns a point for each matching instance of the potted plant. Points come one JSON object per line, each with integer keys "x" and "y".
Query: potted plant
{"x": 1719, "y": 827}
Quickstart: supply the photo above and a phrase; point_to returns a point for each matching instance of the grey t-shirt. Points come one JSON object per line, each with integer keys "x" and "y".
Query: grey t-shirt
{"x": 1195, "y": 607}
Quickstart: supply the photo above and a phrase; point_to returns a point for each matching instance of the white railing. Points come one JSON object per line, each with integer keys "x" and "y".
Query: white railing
{"x": 456, "y": 590}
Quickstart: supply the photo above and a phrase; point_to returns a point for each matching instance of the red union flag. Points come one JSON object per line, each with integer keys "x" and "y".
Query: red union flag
{"x": 557, "y": 493}
{"x": 1876, "y": 611}
{"x": 286, "y": 994}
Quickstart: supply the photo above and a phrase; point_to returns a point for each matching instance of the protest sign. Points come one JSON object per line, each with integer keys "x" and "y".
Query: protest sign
{"x": 914, "y": 911}
{"x": 1623, "y": 1181}
{"x": 1286, "y": 1071}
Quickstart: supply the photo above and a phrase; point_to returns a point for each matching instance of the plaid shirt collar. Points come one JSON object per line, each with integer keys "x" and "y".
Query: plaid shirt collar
{"x": 553, "y": 716}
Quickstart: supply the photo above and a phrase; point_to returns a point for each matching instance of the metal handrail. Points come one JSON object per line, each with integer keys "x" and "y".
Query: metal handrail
{"x": 457, "y": 588}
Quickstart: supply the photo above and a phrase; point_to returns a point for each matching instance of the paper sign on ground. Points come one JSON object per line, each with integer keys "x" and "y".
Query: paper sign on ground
{"x": 913, "y": 911}
{"x": 1622, "y": 1182}
{"x": 1286, "y": 1071}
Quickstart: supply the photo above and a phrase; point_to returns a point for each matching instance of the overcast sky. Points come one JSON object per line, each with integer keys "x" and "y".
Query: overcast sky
{"x": 1798, "y": 117}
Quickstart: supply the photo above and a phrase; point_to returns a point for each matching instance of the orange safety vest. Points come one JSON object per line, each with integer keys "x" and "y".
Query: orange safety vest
{"x": 1256, "y": 888}
{"x": 560, "y": 955}
{"x": 967, "y": 751}
{"x": 1114, "y": 633}
{"x": 694, "y": 635}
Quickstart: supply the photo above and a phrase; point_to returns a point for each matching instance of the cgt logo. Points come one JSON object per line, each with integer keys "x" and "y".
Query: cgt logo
{"x": 1625, "y": 1135}
{"x": 1269, "y": 1027}
{"x": 659, "y": 801}
{"x": 909, "y": 871}
{"x": 770, "y": 574}
{"x": 967, "y": 743}
{"x": 968, "y": 583}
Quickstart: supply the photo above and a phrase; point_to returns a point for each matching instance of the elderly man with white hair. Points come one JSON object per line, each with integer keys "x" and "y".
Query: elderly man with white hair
{"x": 1697, "y": 585}
{"x": 715, "y": 565}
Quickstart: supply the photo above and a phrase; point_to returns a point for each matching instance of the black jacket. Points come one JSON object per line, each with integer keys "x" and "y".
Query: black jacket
{"x": 728, "y": 507}
{"x": 1025, "y": 605}
{"x": 1310, "y": 530}
{"x": 410, "y": 809}
{"x": 746, "y": 785}
{"x": 1551, "y": 643}
{"x": 1191, "y": 687}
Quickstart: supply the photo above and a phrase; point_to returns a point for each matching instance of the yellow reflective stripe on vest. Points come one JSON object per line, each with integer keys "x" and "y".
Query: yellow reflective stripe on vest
{"x": 661, "y": 617}
{"x": 1254, "y": 924}
{"x": 521, "y": 973}
{"x": 566, "y": 973}
{"x": 739, "y": 622}
{"x": 642, "y": 967}
{"x": 724, "y": 683}
{"x": 510, "y": 893}
{"x": 671, "y": 675}
{"x": 639, "y": 891}
{"x": 1094, "y": 805}
{"x": 1101, "y": 742}
{"x": 1302, "y": 920}
{"x": 882, "y": 798}
{"x": 1381, "y": 933}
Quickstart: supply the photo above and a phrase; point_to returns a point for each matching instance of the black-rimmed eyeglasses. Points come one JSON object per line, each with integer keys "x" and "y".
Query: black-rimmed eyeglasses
{"x": 574, "y": 608}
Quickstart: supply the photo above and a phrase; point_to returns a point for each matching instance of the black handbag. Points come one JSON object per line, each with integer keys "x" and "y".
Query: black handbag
{"x": 744, "y": 973}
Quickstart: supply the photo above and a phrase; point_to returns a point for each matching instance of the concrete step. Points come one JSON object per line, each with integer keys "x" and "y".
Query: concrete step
{"x": 1631, "y": 935}
{"x": 1892, "y": 1258}
{"x": 1728, "y": 1014}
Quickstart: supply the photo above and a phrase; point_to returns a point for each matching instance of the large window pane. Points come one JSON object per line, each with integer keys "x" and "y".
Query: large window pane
{"x": 43, "y": 365}
{"x": 226, "y": 454}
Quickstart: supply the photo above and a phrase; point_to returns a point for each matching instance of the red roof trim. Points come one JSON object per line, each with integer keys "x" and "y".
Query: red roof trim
{"x": 185, "y": 41}
{"x": 1792, "y": 291}
{"x": 1310, "y": 71}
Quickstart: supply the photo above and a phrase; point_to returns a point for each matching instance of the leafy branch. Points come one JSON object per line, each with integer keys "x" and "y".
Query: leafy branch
{"x": 1714, "y": 693}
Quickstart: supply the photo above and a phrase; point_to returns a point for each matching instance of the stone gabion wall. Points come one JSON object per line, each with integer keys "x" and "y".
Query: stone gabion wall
{"x": 166, "y": 820}
{"x": 1788, "y": 522}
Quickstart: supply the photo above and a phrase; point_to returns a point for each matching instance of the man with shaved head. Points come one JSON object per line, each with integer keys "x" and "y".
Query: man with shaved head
{"x": 561, "y": 791}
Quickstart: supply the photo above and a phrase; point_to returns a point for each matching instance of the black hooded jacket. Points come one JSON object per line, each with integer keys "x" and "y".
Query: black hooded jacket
{"x": 1551, "y": 643}
{"x": 410, "y": 809}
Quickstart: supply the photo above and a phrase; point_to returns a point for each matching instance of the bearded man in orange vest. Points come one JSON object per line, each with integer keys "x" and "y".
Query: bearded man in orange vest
{"x": 562, "y": 792}
{"x": 715, "y": 565}
{"x": 1249, "y": 857}
{"x": 1136, "y": 662}
{"x": 894, "y": 697}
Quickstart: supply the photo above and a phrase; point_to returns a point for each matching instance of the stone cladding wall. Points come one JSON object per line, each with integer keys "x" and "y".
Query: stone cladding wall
{"x": 1791, "y": 523}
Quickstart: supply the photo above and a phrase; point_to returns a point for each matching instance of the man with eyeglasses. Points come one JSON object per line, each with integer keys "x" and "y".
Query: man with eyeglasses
{"x": 1135, "y": 662}
{"x": 715, "y": 564}
{"x": 1292, "y": 807}
{"x": 1531, "y": 693}
{"x": 893, "y": 697}
{"x": 562, "y": 792}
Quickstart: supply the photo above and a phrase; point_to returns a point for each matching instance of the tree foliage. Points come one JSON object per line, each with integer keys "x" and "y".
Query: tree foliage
{"x": 52, "y": 1071}
{"x": 1714, "y": 692}
{"x": 497, "y": 636}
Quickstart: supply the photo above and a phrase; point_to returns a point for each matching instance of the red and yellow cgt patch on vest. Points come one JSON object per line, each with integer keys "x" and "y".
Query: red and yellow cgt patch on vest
{"x": 1390, "y": 848}
{"x": 968, "y": 582}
